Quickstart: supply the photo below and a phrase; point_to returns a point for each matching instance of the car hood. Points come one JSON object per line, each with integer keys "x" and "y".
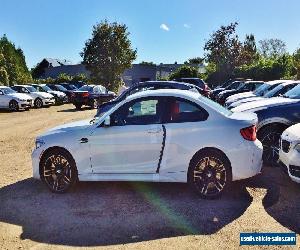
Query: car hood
{"x": 58, "y": 93}
{"x": 240, "y": 96}
{"x": 20, "y": 96}
{"x": 265, "y": 103}
{"x": 41, "y": 94}
{"x": 68, "y": 127}
{"x": 246, "y": 100}
{"x": 292, "y": 133}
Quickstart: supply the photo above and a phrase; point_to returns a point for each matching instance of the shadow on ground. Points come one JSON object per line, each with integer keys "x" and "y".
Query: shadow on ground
{"x": 282, "y": 200}
{"x": 107, "y": 213}
{"x": 75, "y": 110}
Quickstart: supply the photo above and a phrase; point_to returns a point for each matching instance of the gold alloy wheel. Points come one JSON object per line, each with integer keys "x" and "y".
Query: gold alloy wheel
{"x": 209, "y": 176}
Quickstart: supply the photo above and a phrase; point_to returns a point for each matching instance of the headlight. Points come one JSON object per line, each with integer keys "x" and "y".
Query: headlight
{"x": 39, "y": 143}
{"x": 297, "y": 147}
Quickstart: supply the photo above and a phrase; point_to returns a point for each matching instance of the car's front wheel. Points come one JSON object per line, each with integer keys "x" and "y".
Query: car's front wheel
{"x": 38, "y": 103}
{"x": 13, "y": 105}
{"x": 209, "y": 173}
{"x": 58, "y": 170}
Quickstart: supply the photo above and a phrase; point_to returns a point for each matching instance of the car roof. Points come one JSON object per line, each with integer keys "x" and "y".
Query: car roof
{"x": 164, "y": 92}
{"x": 4, "y": 87}
{"x": 20, "y": 85}
{"x": 162, "y": 83}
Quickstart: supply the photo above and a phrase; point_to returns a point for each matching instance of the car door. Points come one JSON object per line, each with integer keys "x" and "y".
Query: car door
{"x": 133, "y": 141}
{"x": 2, "y": 99}
{"x": 186, "y": 128}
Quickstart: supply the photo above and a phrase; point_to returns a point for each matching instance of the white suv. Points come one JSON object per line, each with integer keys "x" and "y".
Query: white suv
{"x": 289, "y": 153}
{"x": 40, "y": 99}
{"x": 10, "y": 99}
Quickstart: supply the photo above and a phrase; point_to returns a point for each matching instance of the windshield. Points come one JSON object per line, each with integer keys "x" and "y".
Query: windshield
{"x": 262, "y": 89}
{"x": 293, "y": 93}
{"x": 31, "y": 89}
{"x": 7, "y": 91}
{"x": 234, "y": 85}
{"x": 216, "y": 106}
{"x": 86, "y": 88}
{"x": 61, "y": 88}
{"x": 46, "y": 88}
{"x": 272, "y": 92}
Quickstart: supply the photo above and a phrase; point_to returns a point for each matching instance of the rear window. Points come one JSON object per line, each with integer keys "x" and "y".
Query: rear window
{"x": 216, "y": 106}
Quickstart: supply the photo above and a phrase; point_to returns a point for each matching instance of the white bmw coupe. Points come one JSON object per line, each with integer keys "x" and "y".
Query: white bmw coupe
{"x": 153, "y": 136}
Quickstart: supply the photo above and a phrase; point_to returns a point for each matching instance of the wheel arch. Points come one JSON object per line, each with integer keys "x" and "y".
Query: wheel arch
{"x": 274, "y": 121}
{"x": 53, "y": 148}
{"x": 211, "y": 149}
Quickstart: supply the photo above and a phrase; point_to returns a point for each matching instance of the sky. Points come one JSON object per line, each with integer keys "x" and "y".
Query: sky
{"x": 162, "y": 31}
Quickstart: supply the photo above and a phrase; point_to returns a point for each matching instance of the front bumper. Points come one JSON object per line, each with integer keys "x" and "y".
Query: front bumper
{"x": 25, "y": 104}
{"x": 47, "y": 102}
{"x": 290, "y": 161}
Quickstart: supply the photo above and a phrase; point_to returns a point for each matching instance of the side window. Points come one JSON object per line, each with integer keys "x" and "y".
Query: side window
{"x": 185, "y": 111}
{"x": 24, "y": 90}
{"x": 138, "y": 112}
{"x": 96, "y": 90}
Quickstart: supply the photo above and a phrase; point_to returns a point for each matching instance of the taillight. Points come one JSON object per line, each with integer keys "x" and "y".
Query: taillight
{"x": 249, "y": 133}
{"x": 85, "y": 94}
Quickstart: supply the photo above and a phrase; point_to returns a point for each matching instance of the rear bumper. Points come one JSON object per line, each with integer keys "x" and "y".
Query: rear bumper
{"x": 246, "y": 161}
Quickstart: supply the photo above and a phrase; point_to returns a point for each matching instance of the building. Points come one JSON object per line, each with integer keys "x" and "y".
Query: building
{"x": 137, "y": 73}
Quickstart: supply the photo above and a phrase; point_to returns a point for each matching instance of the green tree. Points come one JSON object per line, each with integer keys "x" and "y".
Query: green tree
{"x": 249, "y": 52}
{"x": 63, "y": 77}
{"x": 296, "y": 62}
{"x": 13, "y": 63}
{"x": 272, "y": 48}
{"x": 108, "y": 53}
{"x": 195, "y": 60}
{"x": 184, "y": 71}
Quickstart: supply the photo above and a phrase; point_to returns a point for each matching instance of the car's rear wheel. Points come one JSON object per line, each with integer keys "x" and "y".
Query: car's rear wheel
{"x": 38, "y": 103}
{"x": 13, "y": 105}
{"x": 270, "y": 139}
{"x": 78, "y": 106}
{"x": 58, "y": 170}
{"x": 209, "y": 173}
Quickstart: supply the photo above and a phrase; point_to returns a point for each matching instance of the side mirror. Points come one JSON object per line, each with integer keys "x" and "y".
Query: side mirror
{"x": 107, "y": 121}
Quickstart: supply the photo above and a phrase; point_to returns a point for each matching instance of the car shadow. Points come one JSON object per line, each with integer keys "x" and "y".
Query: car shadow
{"x": 282, "y": 200}
{"x": 75, "y": 110}
{"x": 106, "y": 213}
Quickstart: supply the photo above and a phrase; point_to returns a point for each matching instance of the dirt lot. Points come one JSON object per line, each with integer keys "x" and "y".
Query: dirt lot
{"x": 127, "y": 215}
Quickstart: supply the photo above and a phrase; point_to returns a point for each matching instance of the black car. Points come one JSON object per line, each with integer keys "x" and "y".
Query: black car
{"x": 68, "y": 86}
{"x": 205, "y": 90}
{"x": 244, "y": 87}
{"x": 78, "y": 84}
{"x": 274, "y": 116}
{"x": 233, "y": 85}
{"x": 91, "y": 95}
{"x": 148, "y": 85}
{"x": 58, "y": 87}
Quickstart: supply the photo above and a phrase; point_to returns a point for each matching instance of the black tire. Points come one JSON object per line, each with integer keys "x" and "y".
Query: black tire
{"x": 209, "y": 173}
{"x": 78, "y": 106}
{"x": 269, "y": 137}
{"x": 38, "y": 103}
{"x": 58, "y": 170}
{"x": 13, "y": 105}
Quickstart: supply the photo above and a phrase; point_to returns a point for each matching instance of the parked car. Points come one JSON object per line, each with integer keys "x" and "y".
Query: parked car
{"x": 68, "y": 86}
{"x": 156, "y": 135}
{"x": 279, "y": 90}
{"x": 91, "y": 95}
{"x": 78, "y": 84}
{"x": 289, "y": 153}
{"x": 234, "y": 85}
{"x": 59, "y": 96}
{"x": 230, "y": 81}
{"x": 10, "y": 99}
{"x": 148, "y": 85}
{"x": 58, "y": 87}
{"x": 40, "y": 99}
{"x": 205, "y": 90}
{"x": 244, "y": 87}
{"x": 274, "y": 116}
{"x": 259, "y": 92}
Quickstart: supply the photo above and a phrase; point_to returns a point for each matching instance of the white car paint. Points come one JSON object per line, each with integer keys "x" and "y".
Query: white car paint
{"x": 263, "y": 104}
{"x": 132, "y": 152}
{"x": 7, "y": 95}
{"x": 291, "y": 158}
{"x": 46, "y": 98}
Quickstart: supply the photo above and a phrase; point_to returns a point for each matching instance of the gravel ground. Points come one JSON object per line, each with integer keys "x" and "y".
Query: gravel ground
{"x": 128, "y": 215}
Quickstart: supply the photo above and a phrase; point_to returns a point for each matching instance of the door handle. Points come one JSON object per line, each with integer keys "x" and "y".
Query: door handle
{"x": 84, "y": 140}
{"x": 154, "y": 131}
